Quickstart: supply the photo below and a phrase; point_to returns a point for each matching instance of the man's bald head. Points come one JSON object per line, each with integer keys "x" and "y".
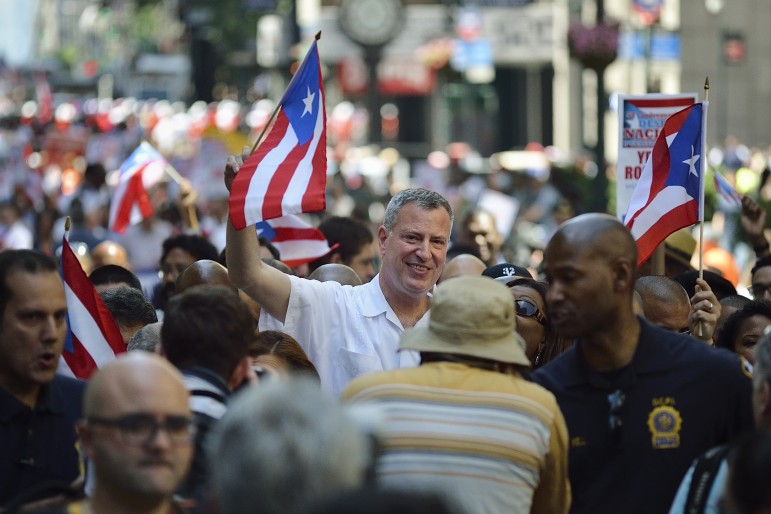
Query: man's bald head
{"x": 463, "y": 264}
{"x": 110, "y": 252}
{"x": 204, "y": 272}
{"x": 336, "y": 272}
{"x": 664, "y": 301}
{"x": 120, "y": 384}
{"x": 600, "y": 234}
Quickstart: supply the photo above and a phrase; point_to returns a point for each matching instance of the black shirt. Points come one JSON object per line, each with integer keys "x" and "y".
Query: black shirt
{"x": 39, "y": 445}
{"x": 634, "y": 432}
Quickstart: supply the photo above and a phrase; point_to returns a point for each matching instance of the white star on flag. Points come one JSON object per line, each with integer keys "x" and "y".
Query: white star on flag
{"x": 308, "y": 101}
{"x": 692, "y": 163}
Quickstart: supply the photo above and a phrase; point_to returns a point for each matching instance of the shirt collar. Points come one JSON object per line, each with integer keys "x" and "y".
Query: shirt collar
{"x": 374, "y": 302}
{"x": 49, "y": 400}
{"x": 653, "y": 354}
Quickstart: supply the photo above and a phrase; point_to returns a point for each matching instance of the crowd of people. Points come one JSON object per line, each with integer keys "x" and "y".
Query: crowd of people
{"x": 422, "y": 365}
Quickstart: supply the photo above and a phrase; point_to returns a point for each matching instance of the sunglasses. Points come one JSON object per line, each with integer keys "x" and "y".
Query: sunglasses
{"x": 528, "y": 309}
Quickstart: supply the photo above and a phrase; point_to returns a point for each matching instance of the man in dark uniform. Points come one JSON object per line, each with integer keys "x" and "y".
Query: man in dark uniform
{"x": 38, "y": 409}
{"x": 640, "y": 402}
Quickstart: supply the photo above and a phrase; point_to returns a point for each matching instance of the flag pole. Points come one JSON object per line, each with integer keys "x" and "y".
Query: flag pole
{"x": 703, "y": 178}
{"x": 176, "y": 177}
{"x": 275, "y": 111}
{"x": 700, "y": 326}
{"x": 67, "y": 226}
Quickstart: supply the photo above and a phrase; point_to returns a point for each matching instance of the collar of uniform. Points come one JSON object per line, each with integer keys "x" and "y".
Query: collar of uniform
{"x": 652, "y": 355}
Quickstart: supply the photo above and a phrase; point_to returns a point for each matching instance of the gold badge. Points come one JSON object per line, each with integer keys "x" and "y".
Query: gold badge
{"x": 664, "y": 423}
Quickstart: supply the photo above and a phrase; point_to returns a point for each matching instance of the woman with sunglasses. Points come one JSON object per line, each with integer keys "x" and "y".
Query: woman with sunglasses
{"x": 542, "y": 344}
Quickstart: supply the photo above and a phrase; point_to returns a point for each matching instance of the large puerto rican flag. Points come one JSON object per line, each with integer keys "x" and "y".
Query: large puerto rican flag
{"x": 297, "y": 241}
{"x": 130, "y": 202}
{"x": 670, "y": 193}
{"x": 287, "y": 172}
{"x": 93, "y": 338}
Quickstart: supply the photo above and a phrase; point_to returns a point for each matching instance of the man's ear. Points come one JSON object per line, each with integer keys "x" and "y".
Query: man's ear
{"x": 382, "y": 235}
{"x": 336, "y": 259}
{"x": 623, "y": 275}
{"x": 84, "y": 437}
{"x": 240, "y": 374}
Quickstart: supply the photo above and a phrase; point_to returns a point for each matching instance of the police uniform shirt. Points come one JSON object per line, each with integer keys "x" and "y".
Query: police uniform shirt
{"x": 634, "y": 432}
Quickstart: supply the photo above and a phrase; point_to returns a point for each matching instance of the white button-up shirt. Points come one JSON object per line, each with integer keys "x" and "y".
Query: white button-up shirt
{"x": 346, "y": 331}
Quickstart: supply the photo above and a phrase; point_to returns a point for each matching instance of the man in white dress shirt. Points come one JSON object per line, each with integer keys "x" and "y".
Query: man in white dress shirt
{"x": 349, "y": 331}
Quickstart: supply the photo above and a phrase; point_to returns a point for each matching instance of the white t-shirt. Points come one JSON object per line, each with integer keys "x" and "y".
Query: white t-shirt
{"x": 346, "y": 331}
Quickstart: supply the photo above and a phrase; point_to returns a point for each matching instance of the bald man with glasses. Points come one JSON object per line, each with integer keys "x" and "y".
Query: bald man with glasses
{"x": 137, "y": 434}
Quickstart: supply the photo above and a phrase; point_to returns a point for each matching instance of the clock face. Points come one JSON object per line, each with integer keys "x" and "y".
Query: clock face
{"x": 371, "y": 22}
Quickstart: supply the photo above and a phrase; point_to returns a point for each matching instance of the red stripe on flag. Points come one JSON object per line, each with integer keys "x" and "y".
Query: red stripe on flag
{"x": 290, "y": 234}
{"x": 80, "y": 362}
{"x": 86, "y": 293}
{"x": 135, "y": 194}
{"x": 240, "y": 187}
{"x": 679, "y": 217}
{"x": 674, "y": 102}
{"x": 271, "y": 206}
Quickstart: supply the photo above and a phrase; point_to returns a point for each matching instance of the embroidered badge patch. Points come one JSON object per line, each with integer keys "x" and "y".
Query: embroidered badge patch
{"x": 664, "y": 422}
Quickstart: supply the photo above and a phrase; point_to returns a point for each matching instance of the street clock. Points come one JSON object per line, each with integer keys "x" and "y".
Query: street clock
{"x": 371, "y": 23}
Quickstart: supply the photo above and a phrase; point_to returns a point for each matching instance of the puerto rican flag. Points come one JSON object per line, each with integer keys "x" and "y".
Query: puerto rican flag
{"x": 93, "y": 338}
{"x": 287, "y": 172}
{"x": 297, "y": 241}
{"x": 726, "y": 191}
{"x": 130, "y": 202}
{"x": 670, "y": 193}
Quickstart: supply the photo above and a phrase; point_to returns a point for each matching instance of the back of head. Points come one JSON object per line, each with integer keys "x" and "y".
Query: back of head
{"x": 423, "y": 198}
{"x": 720, "y": 286}
{"x": 197, "y": 246}
{"x": 273, "y": 342}
{"x": 761, "y": 263}
{"x": 204, "y": 272}
{"x": 335, "y": 272}
{"x": 207, "y": 326}
{"x": 28, "y": 261}
{"x": 128, "y": 306}
{"x": 282, "y": 447}
{"x": 349, "y": 234}
{"x": 110, "y": 252}
{"x": 112, "y": 274}
{"x": 146, "y": 338}
{"x": 463, "y": 264}
{"x": 747, "y": 490}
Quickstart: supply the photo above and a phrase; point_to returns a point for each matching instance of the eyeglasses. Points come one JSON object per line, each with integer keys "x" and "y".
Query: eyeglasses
{"x": 139, "y": 429}
{"x": 758, "y": 290}
{"x": 528, "y": 309}
{"x": 616, "y": 401}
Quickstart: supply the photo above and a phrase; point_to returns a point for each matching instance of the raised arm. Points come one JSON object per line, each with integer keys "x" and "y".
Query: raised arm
{"x": 264, "y": 284}
{"x": 753, "y": 223}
